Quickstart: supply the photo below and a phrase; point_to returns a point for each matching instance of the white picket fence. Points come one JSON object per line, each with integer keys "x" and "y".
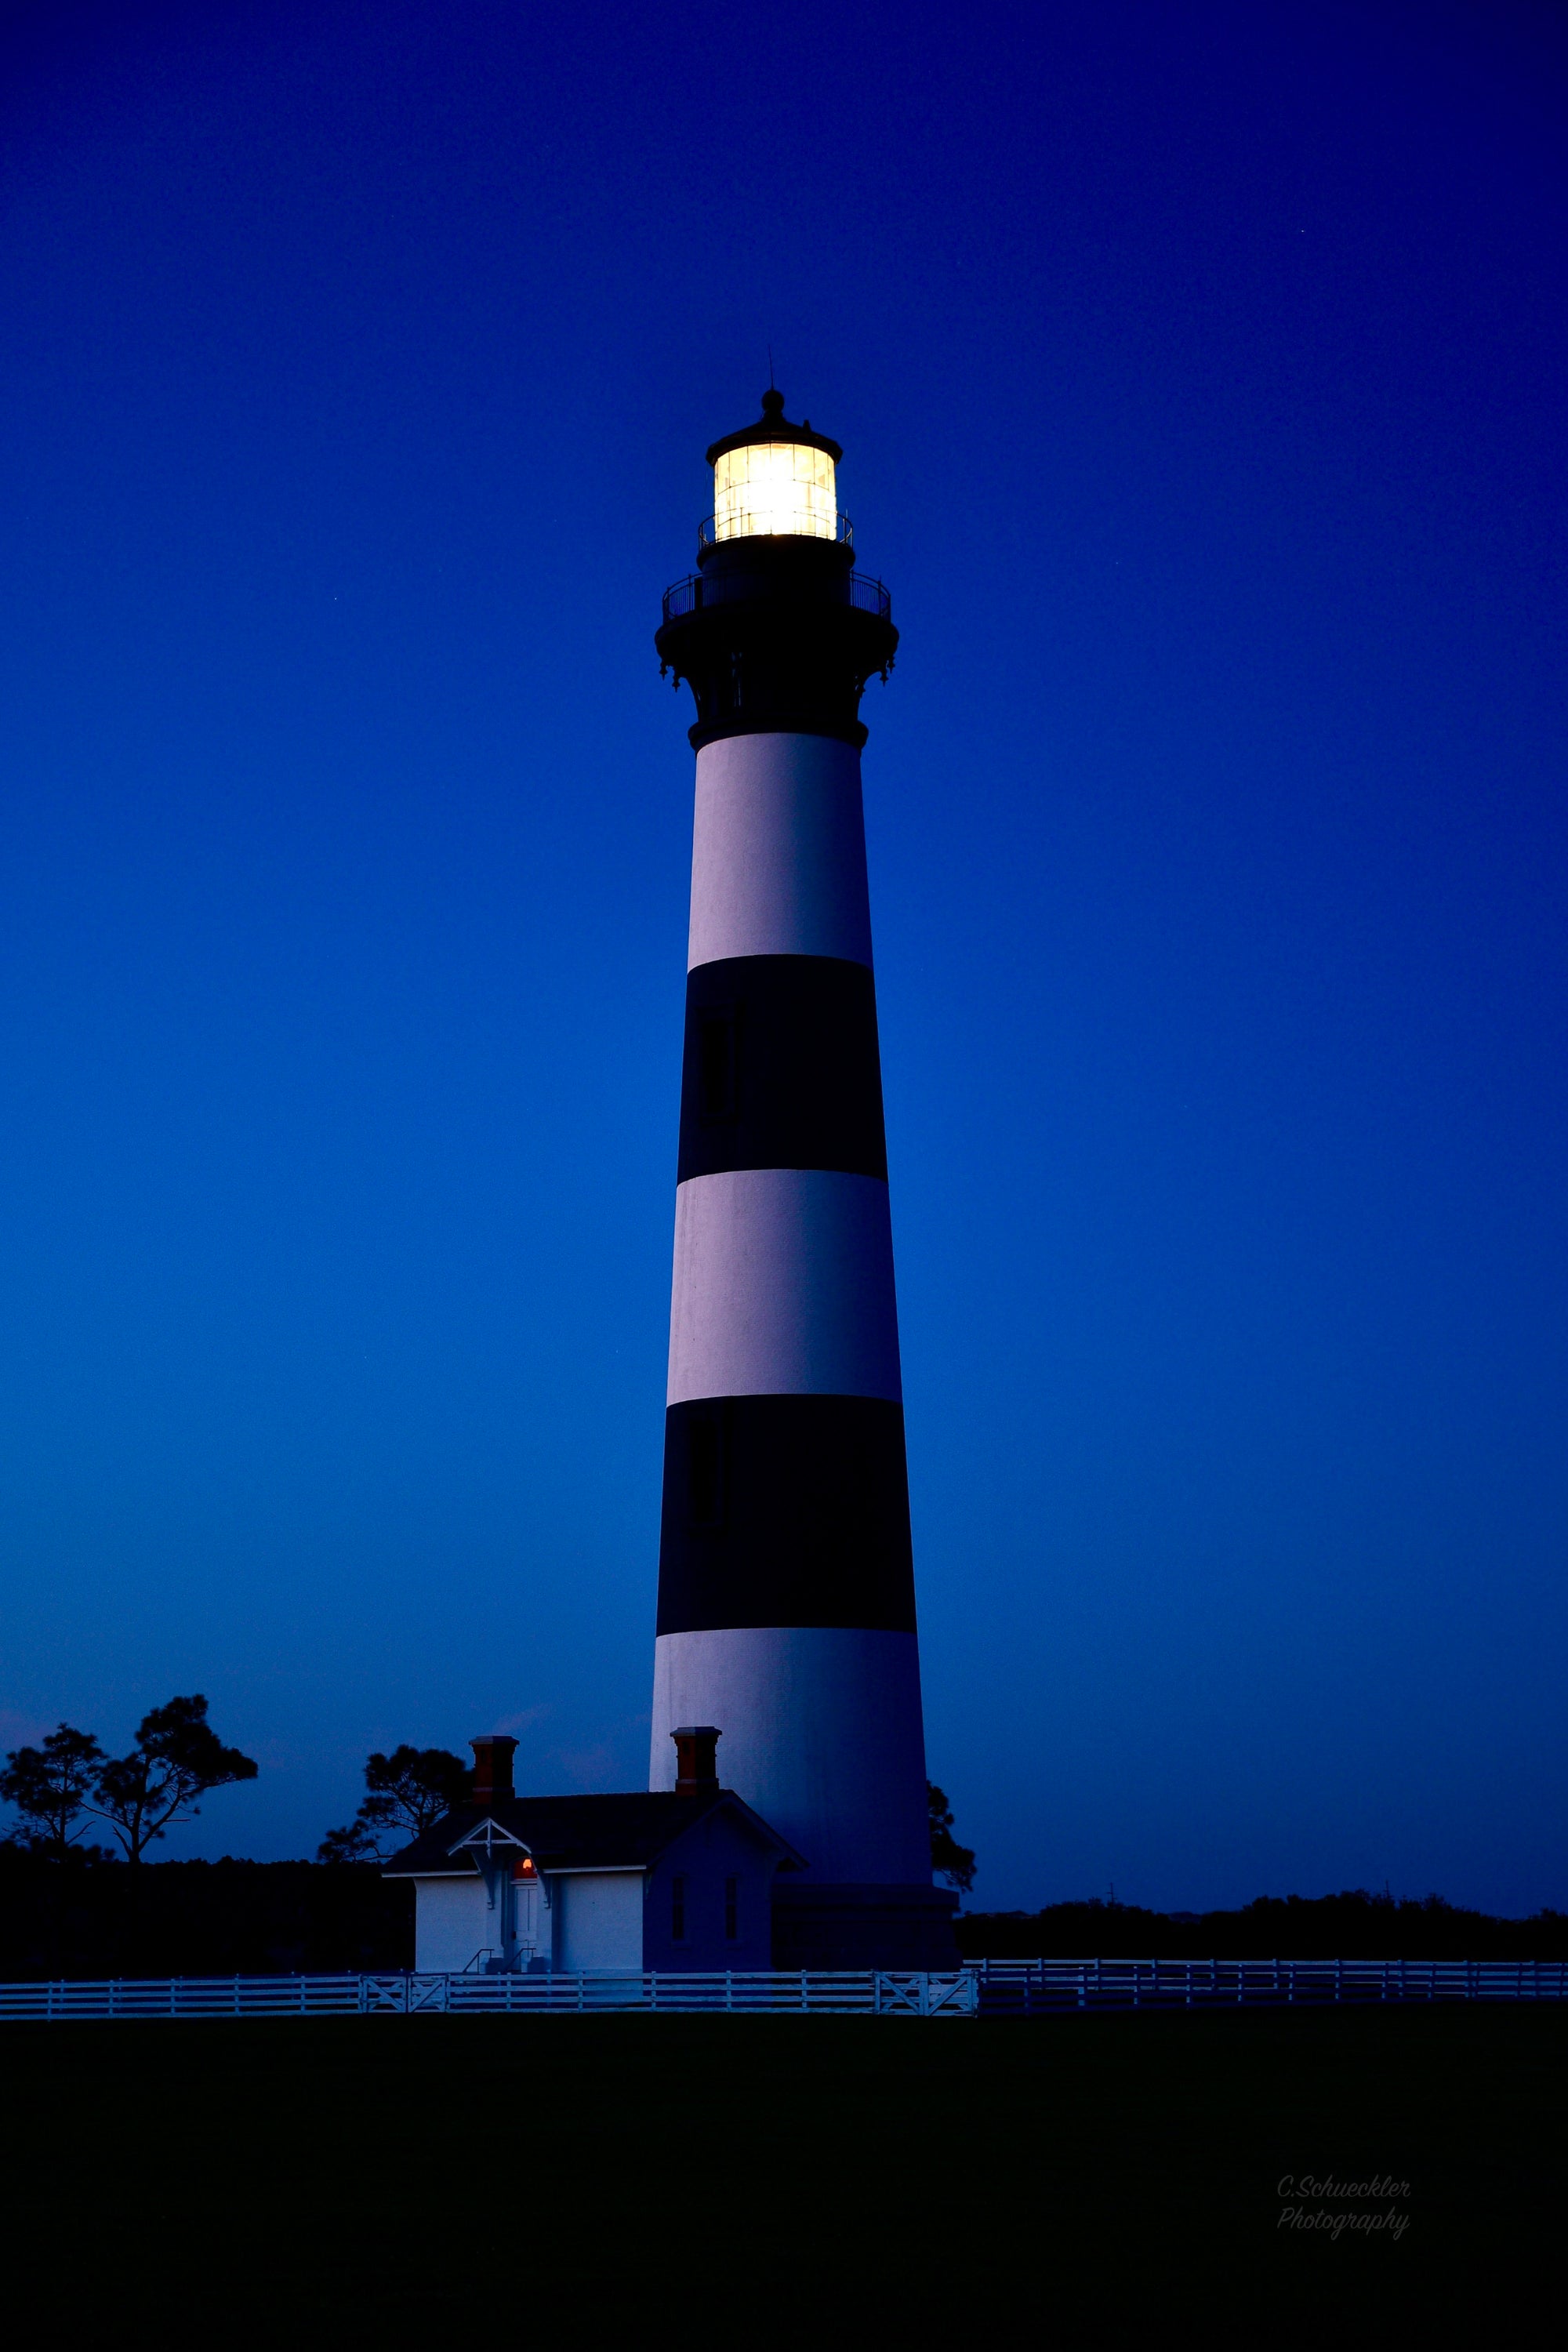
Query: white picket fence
{"x": 984, "y": 1988}
{"x": 1030, "y": 1988}
{"x": 853, "y": 1992}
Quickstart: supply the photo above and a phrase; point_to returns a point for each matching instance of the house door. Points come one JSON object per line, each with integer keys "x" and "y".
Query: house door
{"x": 533, "y": 1921}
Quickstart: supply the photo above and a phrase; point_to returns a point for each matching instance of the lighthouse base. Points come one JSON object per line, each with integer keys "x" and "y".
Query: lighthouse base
{"x": 862, "y": 1927}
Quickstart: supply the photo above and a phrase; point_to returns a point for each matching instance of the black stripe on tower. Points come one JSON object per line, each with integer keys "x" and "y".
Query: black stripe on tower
{"x": 785, "y": 1510}
{"x": 780, "y": 1067}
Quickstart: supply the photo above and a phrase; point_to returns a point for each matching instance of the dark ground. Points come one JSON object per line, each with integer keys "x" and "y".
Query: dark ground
{"x": 714, "y": 2181}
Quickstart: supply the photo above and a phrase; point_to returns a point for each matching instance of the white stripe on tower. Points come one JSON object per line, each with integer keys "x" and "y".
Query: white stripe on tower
{"x": 784, "y": 1285}
{"x": 778, "y": 850}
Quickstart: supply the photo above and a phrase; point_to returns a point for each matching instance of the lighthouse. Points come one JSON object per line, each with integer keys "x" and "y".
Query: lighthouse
{"x": 786, "y": 1609}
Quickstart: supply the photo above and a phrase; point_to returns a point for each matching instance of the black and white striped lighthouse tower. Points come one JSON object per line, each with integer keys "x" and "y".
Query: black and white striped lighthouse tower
{"x": 786, "y": 1613}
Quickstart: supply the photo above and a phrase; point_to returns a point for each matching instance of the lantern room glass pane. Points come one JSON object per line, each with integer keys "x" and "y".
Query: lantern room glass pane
{"x": 775, "y": 487}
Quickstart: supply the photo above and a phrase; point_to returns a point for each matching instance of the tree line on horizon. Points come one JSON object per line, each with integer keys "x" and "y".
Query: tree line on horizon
{"x": 270, "y": 1918}
{"x": 175, "y": 1759}
{"x": 1353, "y": 1923}
{"x": 58, "y": 1787}
{"x": 68, "y": 1780}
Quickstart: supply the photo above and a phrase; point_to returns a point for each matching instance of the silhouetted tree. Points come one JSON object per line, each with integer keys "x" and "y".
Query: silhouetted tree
{"x": 950, "y": 1860}
{"x": 177, "y": 1757}
{"x": 49, "y": 1787}
{"x": 410, "y": 1790}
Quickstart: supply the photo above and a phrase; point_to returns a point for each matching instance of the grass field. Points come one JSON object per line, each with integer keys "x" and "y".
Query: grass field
{"x": 1087, "y": 2181}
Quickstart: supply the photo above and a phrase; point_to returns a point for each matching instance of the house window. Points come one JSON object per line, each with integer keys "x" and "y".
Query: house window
{"x": 731, "y": 1909}
{"x": 678, "y": 1910}
{"x": 705, "y": 1468}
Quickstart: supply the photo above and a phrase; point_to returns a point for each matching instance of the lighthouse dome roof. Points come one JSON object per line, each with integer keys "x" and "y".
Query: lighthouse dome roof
{"x": 773, "y": 426}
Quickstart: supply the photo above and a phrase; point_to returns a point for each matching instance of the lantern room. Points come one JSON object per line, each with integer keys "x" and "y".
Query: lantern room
{"x": 774, "y": 481}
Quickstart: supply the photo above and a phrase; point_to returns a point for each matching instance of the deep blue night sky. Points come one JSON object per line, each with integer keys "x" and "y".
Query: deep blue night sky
{"x": 1200, "y": 372}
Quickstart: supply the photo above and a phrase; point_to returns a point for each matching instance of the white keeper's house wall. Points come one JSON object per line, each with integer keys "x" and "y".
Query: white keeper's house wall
{"x": 719, "y": 1875}
{"x": 451, "y": 1923}
{"x": 597, "y": 1917}
{"x": 591, "y": 1919}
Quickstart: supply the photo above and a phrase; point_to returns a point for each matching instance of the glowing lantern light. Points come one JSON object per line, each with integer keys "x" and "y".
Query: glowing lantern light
{"x": 777, "y": 480}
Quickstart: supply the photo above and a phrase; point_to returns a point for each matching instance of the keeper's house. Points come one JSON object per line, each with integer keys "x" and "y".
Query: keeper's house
{"x": 678, "y": 1878}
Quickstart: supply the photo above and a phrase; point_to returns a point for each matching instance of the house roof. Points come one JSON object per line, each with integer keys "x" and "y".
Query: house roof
{"x": 620, "y": 1833}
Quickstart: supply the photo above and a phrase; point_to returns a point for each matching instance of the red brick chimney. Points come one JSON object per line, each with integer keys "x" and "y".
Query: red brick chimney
{"x": 696, "y": 1765}
{"x": 492, "y": 1768}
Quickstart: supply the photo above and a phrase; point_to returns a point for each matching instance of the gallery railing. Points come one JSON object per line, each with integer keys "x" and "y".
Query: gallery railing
{"x": 699, "y": 592}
